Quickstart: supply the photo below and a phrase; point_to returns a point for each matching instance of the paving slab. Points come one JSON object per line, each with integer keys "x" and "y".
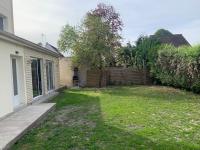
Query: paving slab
{"x": 18, "y": 123}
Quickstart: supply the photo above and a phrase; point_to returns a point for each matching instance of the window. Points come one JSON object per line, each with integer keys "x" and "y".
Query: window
{"x": 1, "y": 23}
{"x": 50, "y": 76}
{"x": 14, "y": 69}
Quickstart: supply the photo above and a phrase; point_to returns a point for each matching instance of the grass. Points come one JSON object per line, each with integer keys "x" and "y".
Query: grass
{"x": 119, "y": 118}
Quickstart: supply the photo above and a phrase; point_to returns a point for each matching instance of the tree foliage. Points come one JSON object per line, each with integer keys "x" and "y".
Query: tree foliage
{"x": 141, "y": 55}
{"x": 92, "y": 49}
{"x": 96, "y": 41}
{"x": 126, "y": 56}
{"x": 68, "y": 38}
{"x": 162, "y": 33}
{"x": 109, "y": 16}
{"x": 146, "y": 49}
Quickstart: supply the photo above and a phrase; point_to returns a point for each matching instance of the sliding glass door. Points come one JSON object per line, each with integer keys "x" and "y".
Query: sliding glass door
{"x": 36, "y": 77}
{"x": 50, "y": 76}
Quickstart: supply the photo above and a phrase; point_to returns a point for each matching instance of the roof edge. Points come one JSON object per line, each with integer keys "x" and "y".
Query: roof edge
{"x": 18, "y": 40}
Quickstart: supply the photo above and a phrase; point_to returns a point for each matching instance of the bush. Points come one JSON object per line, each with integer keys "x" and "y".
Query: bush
{"x": 178, "y": 67}
{"x": 196, "y": 87}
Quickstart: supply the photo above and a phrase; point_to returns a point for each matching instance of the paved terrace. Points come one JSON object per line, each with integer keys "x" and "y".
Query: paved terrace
{"x": 15, "y": 125}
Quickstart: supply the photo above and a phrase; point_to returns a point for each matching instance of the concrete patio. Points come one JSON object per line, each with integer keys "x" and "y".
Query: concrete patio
{"x": 18, "y": 123}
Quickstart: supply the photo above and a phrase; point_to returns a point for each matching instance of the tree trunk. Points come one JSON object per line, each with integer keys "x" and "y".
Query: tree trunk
{"x": 100, "y": 69}
{"x": 144, "y": 72}
{"x": 100, "y": 78}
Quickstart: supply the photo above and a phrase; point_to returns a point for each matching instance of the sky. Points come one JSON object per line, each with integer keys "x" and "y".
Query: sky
{"x": 34, "y": 18}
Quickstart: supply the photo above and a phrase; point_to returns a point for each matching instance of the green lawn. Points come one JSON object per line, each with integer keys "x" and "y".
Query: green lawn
{"x": 119, "y": 118}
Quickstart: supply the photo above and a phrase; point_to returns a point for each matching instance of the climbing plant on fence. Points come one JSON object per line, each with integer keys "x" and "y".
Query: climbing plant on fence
{"x": 178, "y": 67}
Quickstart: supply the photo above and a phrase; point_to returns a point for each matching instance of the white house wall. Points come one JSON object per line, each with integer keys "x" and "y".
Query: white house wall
{"x": 6, "y": 89}
{"x": 8, "y": 49}
{"x": 6, "y": 10}
{"x": 29, "y": 54}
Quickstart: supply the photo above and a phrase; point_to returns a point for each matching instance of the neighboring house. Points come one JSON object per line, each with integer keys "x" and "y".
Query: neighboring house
{"x": 6, "y": 16}
{"x": 52, "y": 48}
{"x": 29, "y": 72}
{"x": 174, "y": 39}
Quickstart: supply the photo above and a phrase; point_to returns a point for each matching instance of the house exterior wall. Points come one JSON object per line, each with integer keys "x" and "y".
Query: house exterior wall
{"x": 9, "y": 49}
{"x": 6, "y": 10}
{"x": 6, "y": 90}
{"x": 29, "y": 54}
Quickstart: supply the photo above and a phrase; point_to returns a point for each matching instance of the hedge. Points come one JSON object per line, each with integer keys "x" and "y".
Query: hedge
{"x": 178, "y": 67}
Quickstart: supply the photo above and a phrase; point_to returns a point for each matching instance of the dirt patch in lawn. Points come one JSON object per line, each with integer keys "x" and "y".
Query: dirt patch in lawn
{"x": 165, "y": 90}
{"x": 74, "y": 116}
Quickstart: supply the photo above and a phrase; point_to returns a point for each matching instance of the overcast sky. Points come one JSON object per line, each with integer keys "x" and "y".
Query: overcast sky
{"x": 36, "y": 17}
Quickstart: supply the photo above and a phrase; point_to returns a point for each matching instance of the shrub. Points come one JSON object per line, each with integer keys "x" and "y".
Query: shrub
{"x": 178, "y": 67}
{"x": 196, "y": 87}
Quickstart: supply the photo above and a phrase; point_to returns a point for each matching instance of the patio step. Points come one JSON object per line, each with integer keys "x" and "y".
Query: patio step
{"x": 16, "y": 125}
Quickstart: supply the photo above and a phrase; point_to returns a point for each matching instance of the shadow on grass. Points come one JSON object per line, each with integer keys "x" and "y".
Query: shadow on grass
{"x": 78, "y": 123}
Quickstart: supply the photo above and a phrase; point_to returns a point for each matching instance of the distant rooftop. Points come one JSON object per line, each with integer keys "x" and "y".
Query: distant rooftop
{"x": 51, "y": 48}
{"x": 174, "y": 39}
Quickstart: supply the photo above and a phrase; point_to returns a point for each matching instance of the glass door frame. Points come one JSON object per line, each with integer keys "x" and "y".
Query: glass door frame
{"x": 39, "y": 85}
{"x": 50, "y": 84}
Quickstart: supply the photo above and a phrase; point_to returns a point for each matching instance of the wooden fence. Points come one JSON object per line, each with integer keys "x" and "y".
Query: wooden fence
{"x": 118, "y": 76}
{"x": 93, "y": 77}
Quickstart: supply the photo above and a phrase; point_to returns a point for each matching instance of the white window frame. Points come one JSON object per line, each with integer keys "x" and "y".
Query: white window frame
{"x": 5, "y": 24}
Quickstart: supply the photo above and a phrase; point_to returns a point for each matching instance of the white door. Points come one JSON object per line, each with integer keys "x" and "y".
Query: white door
{"x": 16, "y": 82}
